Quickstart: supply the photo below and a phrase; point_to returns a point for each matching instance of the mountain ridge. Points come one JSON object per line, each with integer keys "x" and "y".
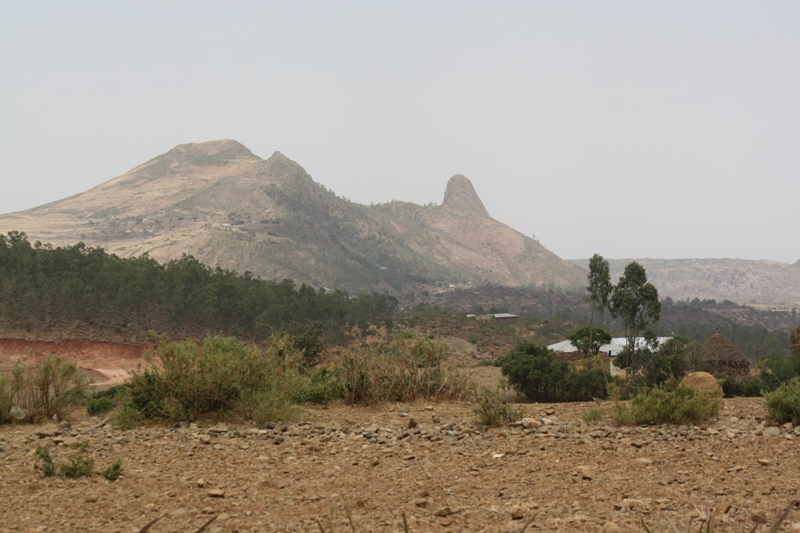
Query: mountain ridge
{"x": 229, "y": 208}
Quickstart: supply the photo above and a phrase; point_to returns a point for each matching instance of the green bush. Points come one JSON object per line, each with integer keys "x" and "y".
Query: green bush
{"x": 47, "y": 468}
{"x": 783, "y": 404}
{"x": 78, "y": 464}
{"x": 113, "y": 471}
{"x": 743, "y": 387}
{"x": 493, "y": 410}
{"x": 36, "y": 392}
{"x": 221, "y": 377}
{"x": 534, "y": 371}
{"x": 668, "y": 405}
{"x": 98, "y": 406}
{"x": 322, "y": 387}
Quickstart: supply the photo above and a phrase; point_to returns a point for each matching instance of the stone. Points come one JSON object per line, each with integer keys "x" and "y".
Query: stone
{"x": 772, "y": 431}
{"x": 412, "y": 423}
{"x": 443, "y": 512}
{"x": 530, "y": 423}
{"x": 216, "y": 493}
{"x": 204, "y": 438}
{"x": 201, "y": 483}
{"x": 758, "y": 516}
{"x": 375, "y": 462}
{"x": 587, "y": 473}
{"x": 517, "y": 512}
{"x": 422, "y": 503}
{"x": 91, "y": 498}
{"x": 764, "y": 462}
{"x": 643, "y": 461}
{"x": 611, "y": 527}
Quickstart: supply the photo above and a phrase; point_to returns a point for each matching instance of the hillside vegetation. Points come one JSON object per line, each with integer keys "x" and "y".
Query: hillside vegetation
{"x": 78, "y": 292}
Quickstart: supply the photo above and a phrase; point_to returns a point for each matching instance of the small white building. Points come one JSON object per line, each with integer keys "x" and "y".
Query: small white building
{"x": 613, "y": 348}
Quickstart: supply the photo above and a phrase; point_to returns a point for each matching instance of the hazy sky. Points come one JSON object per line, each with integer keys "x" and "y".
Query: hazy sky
{"x": 630, "y": 129}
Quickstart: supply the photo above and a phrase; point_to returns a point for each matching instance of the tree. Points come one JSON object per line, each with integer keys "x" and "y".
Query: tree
{"x": 589, "y": 339}
{"x": 599, "y": 289}
{"x": 635, "y": 302}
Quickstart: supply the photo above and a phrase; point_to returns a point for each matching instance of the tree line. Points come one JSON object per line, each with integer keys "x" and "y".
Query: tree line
{"x": 49, "y": 289}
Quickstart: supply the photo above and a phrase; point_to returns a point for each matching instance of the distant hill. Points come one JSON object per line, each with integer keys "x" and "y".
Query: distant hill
{"x": 229, "y": 208}
{"x": 738, "y": 280}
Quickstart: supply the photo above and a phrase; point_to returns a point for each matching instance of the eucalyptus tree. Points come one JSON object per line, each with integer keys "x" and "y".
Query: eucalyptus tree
{"x": 599, "y": 289}
{"x": 635, "y": 302}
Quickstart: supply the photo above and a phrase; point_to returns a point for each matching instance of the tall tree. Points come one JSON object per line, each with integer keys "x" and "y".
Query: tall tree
{"x": 599, "y": 288}
{"x": 635, "y": 301}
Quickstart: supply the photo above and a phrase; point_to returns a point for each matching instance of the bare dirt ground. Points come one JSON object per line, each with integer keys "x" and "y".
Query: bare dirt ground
{"x": 446, "y": 473}
{"x": 431, "y": 461}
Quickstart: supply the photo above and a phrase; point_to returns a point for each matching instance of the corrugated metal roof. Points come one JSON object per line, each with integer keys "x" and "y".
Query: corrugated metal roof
{"x": 505, "y": 315}
{"x": 614, "y": 347}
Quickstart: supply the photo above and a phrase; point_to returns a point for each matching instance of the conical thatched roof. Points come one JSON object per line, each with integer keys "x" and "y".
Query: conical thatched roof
{"x": 718, "y": 351}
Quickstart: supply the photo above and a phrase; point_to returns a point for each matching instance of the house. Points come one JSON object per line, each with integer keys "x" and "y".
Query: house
{"x": 723, "y": 357}
{"x": 613, "y": 348}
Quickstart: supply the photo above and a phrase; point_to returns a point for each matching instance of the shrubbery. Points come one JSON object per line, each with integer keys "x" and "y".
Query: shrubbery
{"x": 494, "y": 410}
{"x": 743, "y": 387}
{"x": 783, "y": 404}
{"x": 534, "y": 371}
{"x": 407, "y": 369}
{"x": 35, "y": 392}
{"x": 668, "y": 405}
{"x": 220, "y": 376}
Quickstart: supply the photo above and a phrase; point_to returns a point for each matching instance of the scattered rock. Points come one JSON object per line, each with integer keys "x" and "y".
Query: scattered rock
{"x": 91, "y": 498}
{"x": 444, "y": 511}
{"x": 204, "y": 438}
{"x": 772, "y": 431}
{"x": 758, "y": 516}
{"x": 201, "y": 483}
{"x": 611, "y": 527}
{"x": 216, "y": 493}
{"x": 517, "y": 512}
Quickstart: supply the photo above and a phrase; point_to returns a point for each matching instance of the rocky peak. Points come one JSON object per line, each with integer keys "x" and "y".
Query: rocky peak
{"x": 460, "y": 194}
{"x": 222, "y": 150}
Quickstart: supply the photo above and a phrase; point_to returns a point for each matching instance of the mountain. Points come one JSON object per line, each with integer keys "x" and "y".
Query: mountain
{"x": 738, "y": 280}
{"x": 229, "y": 208}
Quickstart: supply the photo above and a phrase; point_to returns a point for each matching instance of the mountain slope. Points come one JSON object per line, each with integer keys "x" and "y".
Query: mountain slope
{"x": 229, "y": 208}
{"x": 738, "y": 280}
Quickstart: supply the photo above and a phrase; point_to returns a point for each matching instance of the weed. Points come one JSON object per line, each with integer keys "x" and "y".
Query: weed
{"x": 113, "y": 471}
{"x": 78, "y": 465}
{"x": 783, "y": 404}
{"x": 493, "y": 410}
{"x": 681, "y": 405}
{"x": 47, "y": 468}
{"x": 593, "y": 415}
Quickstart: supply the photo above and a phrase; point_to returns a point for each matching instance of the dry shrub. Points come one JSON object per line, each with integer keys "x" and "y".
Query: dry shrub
{"x": 36, "y": 392}
{"x": 408, "y": 369}
{"x": 681, "y": 405}
{"x": 220, "y": 377}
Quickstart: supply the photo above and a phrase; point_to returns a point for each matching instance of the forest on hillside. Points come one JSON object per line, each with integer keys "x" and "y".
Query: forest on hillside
{"x": 85, "y": 292}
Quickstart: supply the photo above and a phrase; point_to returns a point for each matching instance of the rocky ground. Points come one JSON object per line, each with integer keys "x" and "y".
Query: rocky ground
{"x": 432, "y": 462}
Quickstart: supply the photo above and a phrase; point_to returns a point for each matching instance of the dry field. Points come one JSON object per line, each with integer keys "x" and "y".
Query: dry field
{"x": 430, "y": 461}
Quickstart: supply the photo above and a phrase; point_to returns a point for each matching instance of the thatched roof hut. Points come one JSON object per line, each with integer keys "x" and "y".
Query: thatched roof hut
{"x": 723, "y": 357}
